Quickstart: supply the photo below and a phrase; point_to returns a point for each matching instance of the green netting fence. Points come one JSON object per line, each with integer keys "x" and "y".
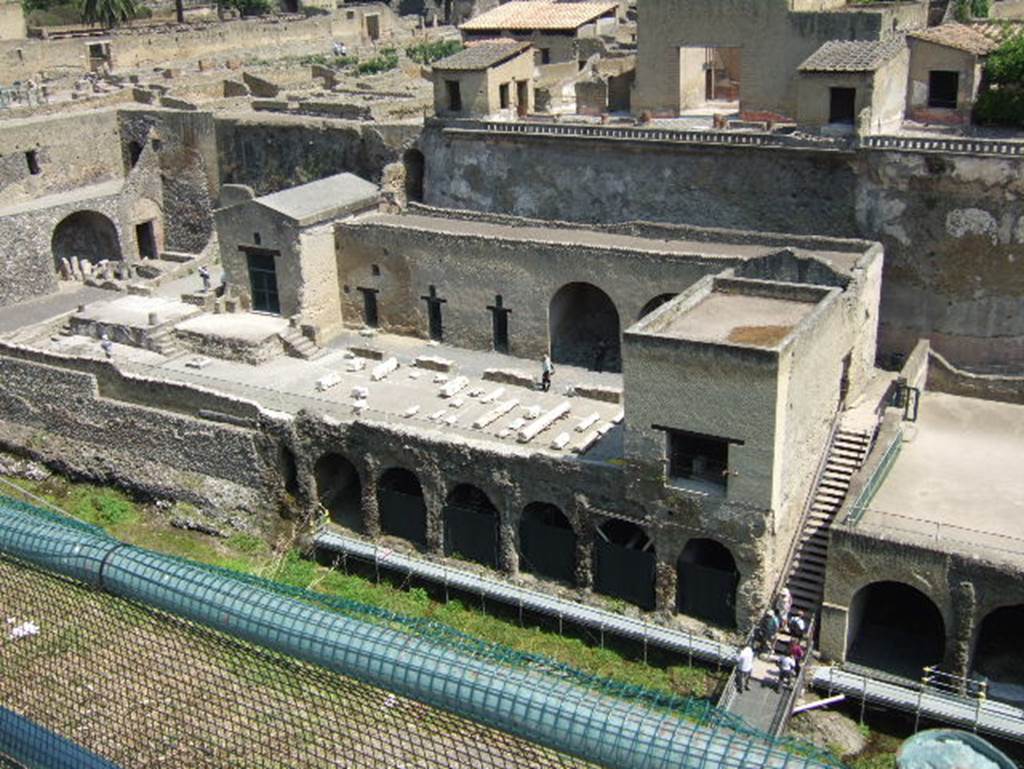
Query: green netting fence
{"x": 146, "y": 685}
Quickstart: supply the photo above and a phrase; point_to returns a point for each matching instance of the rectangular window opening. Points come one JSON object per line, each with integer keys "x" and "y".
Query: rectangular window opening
{"x": 842, "y": 105}
{"x": 692, "y": 456}
{"x": 942, "y": 89}
{"x": 32, "y": 160}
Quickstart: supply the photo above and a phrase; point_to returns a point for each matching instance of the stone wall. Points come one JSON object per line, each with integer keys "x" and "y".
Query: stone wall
{"x": 273, "y": 152}
{"x": 101, "y": 432}
{"x": 71, "y": 151}
{"x": 952, "y": 224}
{"x": 12, "y": 20}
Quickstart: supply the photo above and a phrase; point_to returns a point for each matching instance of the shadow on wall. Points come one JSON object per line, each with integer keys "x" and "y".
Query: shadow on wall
{"x": 87, "y": 235}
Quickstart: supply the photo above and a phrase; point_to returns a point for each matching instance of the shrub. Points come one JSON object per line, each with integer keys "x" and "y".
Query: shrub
{"x": 382, "y": 62}
{"x": 1006, "y": 63}
{"x": 1000, "y": 106}
{"x": 433, "y": 50}
{"x": 1002, "y": 103}
{"x": 249, "y": 7}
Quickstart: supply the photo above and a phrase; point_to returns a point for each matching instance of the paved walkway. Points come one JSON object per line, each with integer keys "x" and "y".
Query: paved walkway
{"x": 44, "y": 308}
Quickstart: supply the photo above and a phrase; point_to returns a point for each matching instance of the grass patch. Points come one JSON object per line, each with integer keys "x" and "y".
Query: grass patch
{"x": 434, "y": 50}
{"x": 142, "y": 526}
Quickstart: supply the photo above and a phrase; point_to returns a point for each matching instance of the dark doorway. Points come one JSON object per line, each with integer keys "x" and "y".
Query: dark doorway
{"x": 263, "y": 280}
{"x": 624, "y": 562}
{"x": 844, "y": 379}
{"x": 707, "y": 580}
{"x": 454, "y": 92}
{"x": 471, "y": 526}
{"x": 499, "y": 324}
{"x": 145, "y": 238}
{"x": 134, "y": 153}
{"x": 895, "y": 628}
{"x": 339, "y": 491}
{"x": 434, "y": 320}
{"x": 547, "y": 543}
{"x": 842, "y": 105}
{"x": 503, "y": 91}
{"x": 85, "y": 235}
{"x": 414, "y": 169}
{"x": 709, "y": 83}
{"x": 942, "y": 89}
{"x": 288, "y": 468}
{"x": 403, "y": 512}
{"x": 373, "y": 26}
{"x": 370, "y": 317}
{"x": 997, "y": 656}
{"x": 522, "y": 98}
{"x": 32, "y": 161}
{"x": 584, "y": 328}
{"x": 655, "y": 303}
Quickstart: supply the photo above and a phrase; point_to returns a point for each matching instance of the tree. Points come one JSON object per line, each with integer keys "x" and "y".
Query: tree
{"x": 109, "y": 13}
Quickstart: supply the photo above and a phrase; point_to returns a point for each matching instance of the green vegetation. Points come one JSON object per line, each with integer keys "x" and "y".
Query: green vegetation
{"x": 432, "y": 50}
{"x": 879, "y": 753}
{"x": 249, "y": 7}
{"x": 1002, "y": 103}
{"x": 965, "y": 10}
{"x": 329, "y": 60}
{"x": 61, "y": 13}
{"x": 386, "y": 60}
{"x": 144, "y": 526}
{"x": 109, "y": 13}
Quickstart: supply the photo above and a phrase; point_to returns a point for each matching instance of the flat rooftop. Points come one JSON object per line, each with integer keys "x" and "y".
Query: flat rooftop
{"x": 730, "y": 318}
{"x": 711, "y": 244}
{"x": 958, "y": 478}
{"x": 134, "y": 311}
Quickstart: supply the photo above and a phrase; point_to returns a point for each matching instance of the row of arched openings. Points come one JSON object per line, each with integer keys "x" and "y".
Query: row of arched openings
{"x": 624, "y": 554}
{"x": 896, "y": 628}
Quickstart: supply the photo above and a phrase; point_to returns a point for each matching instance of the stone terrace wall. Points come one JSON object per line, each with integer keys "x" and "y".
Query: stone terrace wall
{"x": 952, "y": 223}
{"x": 272, "y": 152}
{"x": 92, "y": 424}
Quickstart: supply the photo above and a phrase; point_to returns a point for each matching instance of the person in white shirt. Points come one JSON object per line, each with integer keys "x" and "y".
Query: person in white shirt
{"x": 744, "y": 667}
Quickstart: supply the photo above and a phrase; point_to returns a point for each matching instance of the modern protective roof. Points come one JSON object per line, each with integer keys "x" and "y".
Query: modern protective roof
{"x": 323, "y": 199}
{"x": 852, "y": 55}
{"x": 481, "y": 55}
{"x": 537, "y": 14}
{"x": 958, "y": 36}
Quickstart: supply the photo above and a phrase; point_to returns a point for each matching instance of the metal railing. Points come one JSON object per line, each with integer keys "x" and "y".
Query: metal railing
{"x": 870, "y": 518}
{"x": 878, "y": 476}
{"x": 785, "y": 708}
{"x": 966, "y": 146}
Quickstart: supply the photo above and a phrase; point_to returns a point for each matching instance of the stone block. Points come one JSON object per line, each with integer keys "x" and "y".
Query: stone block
{"x": 509, "y": 376}
{"x": 433, "y": 363}
{"x": 598, "y": 393}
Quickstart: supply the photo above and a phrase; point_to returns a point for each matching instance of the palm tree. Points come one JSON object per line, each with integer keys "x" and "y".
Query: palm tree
{"x": 109, "y": 13}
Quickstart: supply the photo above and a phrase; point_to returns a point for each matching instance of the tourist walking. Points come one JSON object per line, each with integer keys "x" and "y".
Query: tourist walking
{"x": 787, "y": 670}
{"x": 744, "y": 667}
{"x": 769, "y": 628}
{"x": 204, "y": 273}
{"x": 107, "y": 346}
{"x": 797, "y": 625}
{"x": 797, "y": 652}
{"x": 783, "y": 602}
{"x": 547, "y": 369}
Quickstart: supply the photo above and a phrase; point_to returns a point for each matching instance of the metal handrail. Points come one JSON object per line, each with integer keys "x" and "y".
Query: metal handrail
{"x": 785, "y": 708}
{"x": 880, "y": 473}
{"x": 938, "y": 530}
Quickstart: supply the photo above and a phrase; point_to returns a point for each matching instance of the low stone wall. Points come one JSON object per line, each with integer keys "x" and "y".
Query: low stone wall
{"x": 944, "y": 377}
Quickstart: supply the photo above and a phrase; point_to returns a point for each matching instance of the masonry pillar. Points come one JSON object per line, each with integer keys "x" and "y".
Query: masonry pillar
{"x": 833, "y": 632}
{"x": 958, "y": 638}
{"x": 371, "y": 510}
{"x": 508, "y": 524}
{"x": 580, "y": 519}
{"x": 665, "y": 578}
{"x": 434, "y": 492}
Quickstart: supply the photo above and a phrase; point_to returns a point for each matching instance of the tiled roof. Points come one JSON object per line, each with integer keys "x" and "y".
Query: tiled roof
{"x": 958, "y": 36}
{"x": 853, "y": 55}
{"x": 1000, "y": 29}
{"x": 537, "y": 14}
{"x": 481, "y": 55}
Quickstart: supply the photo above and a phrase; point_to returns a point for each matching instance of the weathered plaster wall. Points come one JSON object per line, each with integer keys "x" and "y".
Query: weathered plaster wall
{"x": 272, "y": 152}
{"x": 12, "y": 21}
{"x": 952, "y": 225}
{"x": 469, "y": 268}
{"x": 72, "y": 151}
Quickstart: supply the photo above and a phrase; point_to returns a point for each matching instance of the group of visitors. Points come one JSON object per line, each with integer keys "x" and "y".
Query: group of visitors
{"x": 780, "y": 615}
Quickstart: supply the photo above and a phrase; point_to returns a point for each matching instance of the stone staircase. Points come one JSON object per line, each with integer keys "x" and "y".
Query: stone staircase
{"x": 806, "y": 579}
{"x": 298, "y": 346}
{"x": 164, "y": 342}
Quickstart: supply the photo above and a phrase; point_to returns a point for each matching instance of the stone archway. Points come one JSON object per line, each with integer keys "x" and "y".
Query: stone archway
{"x": 654, "y": 304}
{"x": 583, "y": 325}
{"x": 707, "y": 581}
{"x": 339, "y": 490}
{"x": 547, "y": 542}
{"x": 997, "y": 656}
{"x": 624, "y": 562}
{"x": 402, "y": 508}
{"x": 895, "y": 628}
{"x": 471, "y": 526}
{"x": 85, "y": 235}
